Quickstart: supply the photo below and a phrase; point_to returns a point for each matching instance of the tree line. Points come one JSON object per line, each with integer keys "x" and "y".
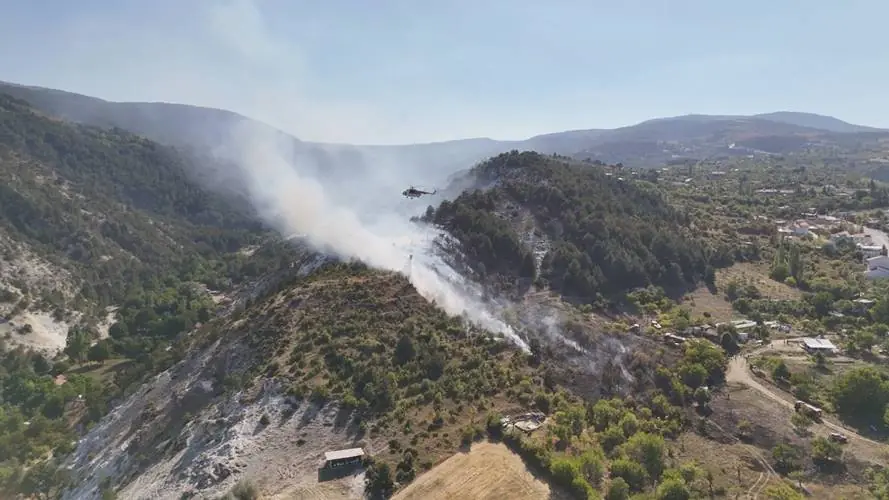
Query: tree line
{"x": 605, "y": 234}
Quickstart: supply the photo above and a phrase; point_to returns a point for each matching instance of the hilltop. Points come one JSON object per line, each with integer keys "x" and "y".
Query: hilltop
{"x": 574, "y": 228}
{"x": 816, "y": 121}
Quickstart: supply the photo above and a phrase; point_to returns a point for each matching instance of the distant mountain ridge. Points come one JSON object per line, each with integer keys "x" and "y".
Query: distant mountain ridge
{"x": 812, "y": 120}
{"x": 649, "y": 143}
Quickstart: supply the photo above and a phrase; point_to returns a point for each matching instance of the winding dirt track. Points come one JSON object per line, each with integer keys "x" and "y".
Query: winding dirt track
{"x": 768, "y": 472}
{"x": 739, "y": 372}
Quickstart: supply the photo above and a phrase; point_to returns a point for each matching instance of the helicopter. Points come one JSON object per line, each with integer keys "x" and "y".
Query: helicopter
{"x": 413, "y": 192}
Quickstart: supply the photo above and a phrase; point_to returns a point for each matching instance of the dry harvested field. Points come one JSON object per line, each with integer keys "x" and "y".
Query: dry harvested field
{"x": 487, "y": 471}
{"x": 758, "y": 275}
{"x": 702, "y": 301}
{"x": 347, "y": 488}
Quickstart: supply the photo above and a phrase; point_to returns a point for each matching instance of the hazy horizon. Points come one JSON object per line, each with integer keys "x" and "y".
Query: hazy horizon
{"x": 406, "y": 72}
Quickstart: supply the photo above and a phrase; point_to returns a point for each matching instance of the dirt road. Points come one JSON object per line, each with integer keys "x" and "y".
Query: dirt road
{"x": 739, "y": 372}
{"x": 877, "y": 237}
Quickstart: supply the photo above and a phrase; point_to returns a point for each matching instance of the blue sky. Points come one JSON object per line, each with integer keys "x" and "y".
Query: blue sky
{"x": 400, "y": 71}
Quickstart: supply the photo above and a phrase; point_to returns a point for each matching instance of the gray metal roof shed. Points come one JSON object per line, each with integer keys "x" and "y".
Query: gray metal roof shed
{"x": 343, "y": 454}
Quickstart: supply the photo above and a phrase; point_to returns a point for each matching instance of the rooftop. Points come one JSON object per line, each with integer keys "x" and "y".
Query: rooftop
{"x": 341, "y": 454}
{"x": 814, "y": 343}
{"x": 742, "y": 324}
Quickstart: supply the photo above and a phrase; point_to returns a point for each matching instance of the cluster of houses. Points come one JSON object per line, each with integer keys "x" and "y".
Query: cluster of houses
{"x": 875, "y": 259}
{"x": 830, "y": 189}
{"x": 832, "y": 228}
{"x": 743, "y": 329}
{"x": 811, "y": 225}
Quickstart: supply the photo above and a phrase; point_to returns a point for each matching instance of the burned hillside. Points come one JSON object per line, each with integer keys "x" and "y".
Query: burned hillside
{"x": 359, "y": 343}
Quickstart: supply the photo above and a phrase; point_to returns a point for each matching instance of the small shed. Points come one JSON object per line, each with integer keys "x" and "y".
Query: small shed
{"x": 819, "y": 345}
{"x": 743, "y": 324}
{"x": 339, "y": 458}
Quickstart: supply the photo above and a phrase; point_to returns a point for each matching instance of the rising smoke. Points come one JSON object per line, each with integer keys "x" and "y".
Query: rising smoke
{"x": 291, "y": 197}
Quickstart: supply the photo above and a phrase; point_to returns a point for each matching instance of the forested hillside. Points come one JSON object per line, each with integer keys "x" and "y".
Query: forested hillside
{"x": 598, "y": 233}
{"x": 117, "y": 206}
{"x": 115, "y": 223}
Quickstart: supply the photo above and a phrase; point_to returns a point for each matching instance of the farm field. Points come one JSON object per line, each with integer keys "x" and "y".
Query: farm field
{"x": 487, "y": 471}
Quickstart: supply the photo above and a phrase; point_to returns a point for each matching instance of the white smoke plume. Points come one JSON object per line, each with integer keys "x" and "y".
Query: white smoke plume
{"x": 366, "y": 228}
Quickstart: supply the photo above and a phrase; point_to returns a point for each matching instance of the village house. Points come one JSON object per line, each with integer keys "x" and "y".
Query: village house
{"x": 800, "y": 228}
{"x": 862, "y": 305}
{"x": 871, "y": 251}
{"x": 743, "y": 328}
{"x": 775, "y": 191}
{"x": 878, "y": 261}
{"x": 743, "y": 324}
{"x": 699, "y": 331}
{"x": 877, "y": 267}
{"x": 862, "y": 239}
{"x": 877, "y": 273}
{"x": 814, "y": 345}
{"x": 840, "y": 236}
{"x": 775, "y": 325}
{"x": 672, "y": 338}
{"x": 340, "y": 458}
{"x": 826, "y": 220}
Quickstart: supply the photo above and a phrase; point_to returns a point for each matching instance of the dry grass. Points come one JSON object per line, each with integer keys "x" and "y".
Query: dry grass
{"x": 844, "y": 491}
{"x": 729, "y": 462}
{"x": 758, "y": 275}
{"x": 488, "y": 471}
{"x": 770, "y": 426}
{"x": 348, "y": 488}
{"x": 714, "y": 304}
{"x": 724, "y": 461}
